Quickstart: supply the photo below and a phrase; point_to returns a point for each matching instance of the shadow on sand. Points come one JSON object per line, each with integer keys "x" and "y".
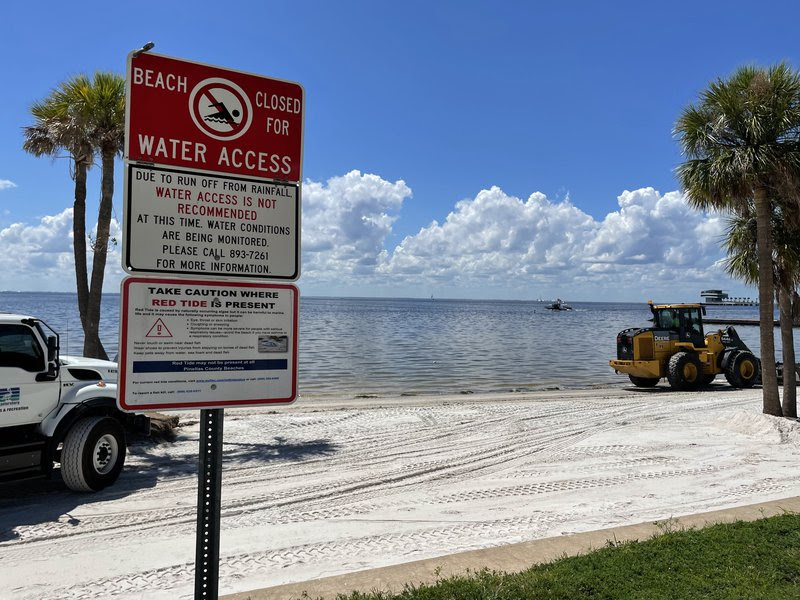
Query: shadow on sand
{"x": 151, "y": 463}
{"x": 280, "y": 450}
{"x": 40, "y": 501}
{"x": 666, "y": 389}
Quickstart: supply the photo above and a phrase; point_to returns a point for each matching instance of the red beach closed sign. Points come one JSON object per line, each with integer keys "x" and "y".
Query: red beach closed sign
{"x": 196, "y": 116}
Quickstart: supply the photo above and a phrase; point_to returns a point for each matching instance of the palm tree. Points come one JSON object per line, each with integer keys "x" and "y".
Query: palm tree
{"x": 742, "y": 263}
{"x": 740, "y": 141}
{"x": 57, "y": 129}
{"x": 84, "y": 116}
{"x": 102, "y": 102}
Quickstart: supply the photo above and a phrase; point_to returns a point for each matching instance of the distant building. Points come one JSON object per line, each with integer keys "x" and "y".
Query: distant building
{"x": 714, "y": 296}
{"x": 722, "y": 297}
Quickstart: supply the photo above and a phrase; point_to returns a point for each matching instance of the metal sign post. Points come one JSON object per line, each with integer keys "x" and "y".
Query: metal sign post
{"x": 209, "y": 488}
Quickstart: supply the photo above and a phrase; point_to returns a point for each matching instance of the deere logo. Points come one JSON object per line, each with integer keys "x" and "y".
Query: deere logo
{"x": 9, "y": 395}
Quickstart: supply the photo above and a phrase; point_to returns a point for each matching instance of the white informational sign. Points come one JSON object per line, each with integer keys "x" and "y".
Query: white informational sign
{"x": 185, "y": 222}
{"x": 206, "y": 344}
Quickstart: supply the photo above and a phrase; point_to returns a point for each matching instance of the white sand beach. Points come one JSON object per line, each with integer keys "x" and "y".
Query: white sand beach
{"x": 327, "y": 487}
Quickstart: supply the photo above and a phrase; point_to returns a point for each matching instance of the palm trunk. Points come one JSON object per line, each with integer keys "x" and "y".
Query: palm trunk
{"x": 795, "y": 309}
{"x": 771, "y": 403}
{"x": 789, "y": 407}
{"x": 79, "y": 242}
{"x": 101, "y": 251}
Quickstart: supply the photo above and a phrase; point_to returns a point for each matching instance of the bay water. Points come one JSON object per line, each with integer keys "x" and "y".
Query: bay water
{"x": 373, "y": 347}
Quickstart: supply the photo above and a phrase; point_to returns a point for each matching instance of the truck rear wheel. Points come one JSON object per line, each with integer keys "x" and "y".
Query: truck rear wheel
{"x": 93, "y": 454}
{"x": 742, "y": 369}
{"x": 684, "y": 371}
{"x": 644, "y": 381}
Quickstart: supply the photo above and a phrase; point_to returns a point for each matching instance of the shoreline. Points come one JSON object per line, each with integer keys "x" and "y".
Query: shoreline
{"x": 545, "y": 390}
{"x": 321, "y": 402}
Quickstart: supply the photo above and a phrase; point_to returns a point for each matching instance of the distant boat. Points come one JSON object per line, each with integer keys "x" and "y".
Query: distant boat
{"x": 558, "y": 305}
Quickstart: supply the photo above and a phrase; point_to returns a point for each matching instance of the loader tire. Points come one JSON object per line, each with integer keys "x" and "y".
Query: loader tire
{"x": 742, "y": 370}
{"x": 644, "y": 382}
{"x": 684, "y": 371}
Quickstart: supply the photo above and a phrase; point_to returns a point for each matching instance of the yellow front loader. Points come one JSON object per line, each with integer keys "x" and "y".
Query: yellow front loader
{"x": 676, "y": 348}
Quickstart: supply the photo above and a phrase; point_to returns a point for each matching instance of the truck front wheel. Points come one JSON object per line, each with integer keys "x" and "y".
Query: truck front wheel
{"x": 93, "y": 454}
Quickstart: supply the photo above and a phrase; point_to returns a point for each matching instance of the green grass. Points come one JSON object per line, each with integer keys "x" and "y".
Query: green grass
{"x": 743, "y": 560}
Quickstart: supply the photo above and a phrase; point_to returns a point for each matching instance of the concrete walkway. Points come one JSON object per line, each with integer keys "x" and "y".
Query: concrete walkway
{"x": 510, "y": 558}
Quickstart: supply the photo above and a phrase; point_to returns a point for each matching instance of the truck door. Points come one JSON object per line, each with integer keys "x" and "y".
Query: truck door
{"x": 23, "y": 399}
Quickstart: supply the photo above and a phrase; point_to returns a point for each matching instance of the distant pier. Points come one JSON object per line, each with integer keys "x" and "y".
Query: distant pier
{"x": 733, "y": 302}
{"x": 736, "y": 322}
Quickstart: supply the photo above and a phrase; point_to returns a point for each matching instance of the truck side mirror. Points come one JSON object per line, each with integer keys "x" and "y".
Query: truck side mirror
{"x": 52, "y": 348}
{"x": 52, "y": 360}
{"x": 51, "y": 374}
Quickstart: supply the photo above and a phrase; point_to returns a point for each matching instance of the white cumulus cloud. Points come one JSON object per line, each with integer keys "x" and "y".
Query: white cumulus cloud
{"x": 495, "y": 237}
{"x": 39, "y": 256}
{"x": 345, "y": 223}
{"x": 6, "y": 184}
{"x": 497, "y": 243}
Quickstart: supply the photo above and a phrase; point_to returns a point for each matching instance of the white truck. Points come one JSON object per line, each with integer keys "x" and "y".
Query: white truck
{"x": 58, "y": 409}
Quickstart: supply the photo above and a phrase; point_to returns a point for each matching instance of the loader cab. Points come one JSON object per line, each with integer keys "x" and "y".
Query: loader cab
{"x": 684, "y": 319}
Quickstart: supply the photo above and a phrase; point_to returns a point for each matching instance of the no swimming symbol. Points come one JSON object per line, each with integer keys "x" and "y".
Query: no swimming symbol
{"x": 220, "y": 109}
{"x": 159, "y": 330}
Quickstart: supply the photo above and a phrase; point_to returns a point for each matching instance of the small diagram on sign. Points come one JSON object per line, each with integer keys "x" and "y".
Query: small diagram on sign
{"x": 159, "y": 330}
{"x": 273, "y": 343}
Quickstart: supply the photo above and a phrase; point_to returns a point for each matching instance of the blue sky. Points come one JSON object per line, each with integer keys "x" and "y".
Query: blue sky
{"x": 464, "y": 149}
